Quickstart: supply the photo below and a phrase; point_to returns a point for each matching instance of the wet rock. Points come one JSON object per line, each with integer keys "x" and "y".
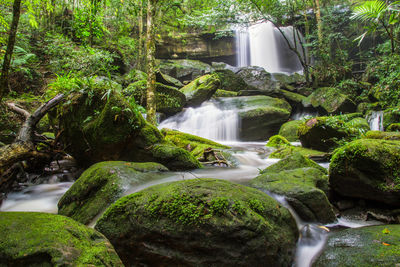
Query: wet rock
{"x": 259, "y": 78}
{"x": 201, "y": 89}
{"x": 202, "y": 222}
{"x": 382, "y": 135}
{"x": 330, "y": 101}
{"x": 284, "y": 151}
{"x": 325, "y": 133}
{"x": 168, "y": 80}
{"x": 103, "y": 126}
{"x": 39, "y": 239}
{"x": 101, "y": 185}
{"x": 184, "y": 69}
{"x": 394, "y": 127}
{"x": 366, "y": 246}
{"x": 224, "y": 93}
{"x": 289, "y": 130}
{"x": 277, "y": 141}
{"x": 231, "y": 81}
{"x": 367, "y": 169}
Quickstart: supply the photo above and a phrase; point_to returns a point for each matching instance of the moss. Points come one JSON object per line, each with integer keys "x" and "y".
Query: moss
{"x": 201, "y": 89}
{"x": 292, "y": 97}
{"x": 101, "y": 185}
{"x": 53, "y": 240}
{"x": 293, "y": 161}
{"x": 289, "y": 130}
{"x": 195, "y": 217}
{"x": 367, "y": 246}
{"x": 175, "y": 158}
{"x": 224, "y": 93}
{"x": 394, "y": 127}
{"x": 230, "y": 81}
{"x": 331, "y": 100}
{"x": 194, "y": 144}
{"x": 382, "y": 135}
{"x": 283, "y": 152}
{"x": 277, "y": 141}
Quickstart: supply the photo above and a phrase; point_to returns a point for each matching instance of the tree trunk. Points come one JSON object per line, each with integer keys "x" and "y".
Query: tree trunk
{"x": 151, "y": 72}
{"x": 319, "y": 23}
{"x": 141, "y": 37}
{"x": 10, "y": 48}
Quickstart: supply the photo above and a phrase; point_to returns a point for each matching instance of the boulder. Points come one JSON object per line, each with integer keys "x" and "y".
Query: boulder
{"x": 103, "y": 126}
{"x": 134, "y": 76}
{"x": 168, "y": 80}
{"x": 169, "y": 100}
{"x": 391, "y": 116}
{"x": 305, "y": 190}
{"x": 394, "y": 127}
{"x": 184, "y": 69}
{"x": 382, "y": 135}
{"x": 101, "y": 185}
{"x": 325, "y": 133}
{"x": 367, "y": 246}
{"x": 40, "y": 239}
{"x": 367, "y": 169}
{"x": 194, "y": 144}
{"x": 289, "y": 79}
{"x": 284, "y": 151}
{"x": 289, "y": 130}
{"x": 260, "y": 116}
{"x": 294, "y": 99}
{"x": 201, "y": 222}
{"x": 330, "y": 101}
{"x": 259, "y": 78}
{"x": 224, "y": 93}
{"x": 201, "y": 89}
{"x": 230, "y": 81}
{"x": 277, "y": 141}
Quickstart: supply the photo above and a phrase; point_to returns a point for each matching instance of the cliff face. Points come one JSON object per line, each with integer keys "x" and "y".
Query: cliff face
{"x": 203, "y": 46}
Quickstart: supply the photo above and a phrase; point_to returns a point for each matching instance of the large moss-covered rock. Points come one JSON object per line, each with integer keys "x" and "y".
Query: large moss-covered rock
{"x": 394, "y": 127}
{"x": 367, "y": 169}
{"x": 201, "y": 222}
{"x": 305, "y": 189}
{"x": 168, "y": 80}
{"x": 194, "y": 144}
{"x": 101, "y": 185}
{"x": 184, "y": 69}
{"x": 293, "y": 98}
{"x": 367, "y": 247}
{"x": 201, "y": 89}
{"x": 39, "y": 239}
{"x": 382, "y": 135}
{"x": 325, "y": 133}
{"x": 258, "y": 78}
{"x": 277, "y": 141}
{"x": 330, "y": 101}
{"x": 260, "y": 116}
{"x": 284, "y": 151}
{"x": 289, "y": 130}
{"x": 391, "y": 116}
{"x": 224, "y": 93}
{"x": 99, "y": 127}
{"x": 169, "y": 100}
{"x": 231, "y": 81}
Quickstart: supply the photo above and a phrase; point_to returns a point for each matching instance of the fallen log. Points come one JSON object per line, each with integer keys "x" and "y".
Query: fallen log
{"x": 23, "y": 149}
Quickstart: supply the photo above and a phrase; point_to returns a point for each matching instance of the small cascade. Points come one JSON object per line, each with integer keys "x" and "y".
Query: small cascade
{"x": 376, "y": 121}
{"x": 263, "y": 45}
{"x": 242, "y": 44}
{"x": 208, "y": 121}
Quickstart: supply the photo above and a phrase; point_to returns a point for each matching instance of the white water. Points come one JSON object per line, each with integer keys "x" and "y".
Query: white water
{"x": 376, "y": 121}
{"x": 208, "y": 121}
{"x": 264, "y": 46}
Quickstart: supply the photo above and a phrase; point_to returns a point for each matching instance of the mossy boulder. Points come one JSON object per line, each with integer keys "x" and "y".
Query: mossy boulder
{"x": 260, "y": 116}
{"x": 382, "y": 135}
{"x": 224, "y": 93}
{"x": 367, "y": 169}
{"x": 201, "y": 89}
{"x": 277, "y": 141}
{"x": 394, "y": 127}
{"x": 305, "y": 190}
{"x": 96, "y": 127}
{"x": 325, "y": 133}
{"x": 289, "y": 130}
{"x": 230, "y": 81}
{"x": 168, "y": 80}
{"x": 201, "y": 222}
{"x": 258, "y": 78}
{"x": 169, "y": 100}
{"x": 284, "y": 151}
{"x": 330, "y": 101}
{"x": 101, "y": 185}
{"x": 134, "y": 76}
{"x": 367, "y": 247}
{"x": 194, "y": 144}
{"x": 184, "y": 69}
{"x": 39, "y": 239}
{"x": 293, "y": 98}
{"x": 289, "y": 79}
{"x": 391, "y": 116}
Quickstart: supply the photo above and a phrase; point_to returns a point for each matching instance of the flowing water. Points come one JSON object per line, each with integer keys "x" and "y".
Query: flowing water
{"x": 376, "y": 121}
{"x": 265, "y": 46}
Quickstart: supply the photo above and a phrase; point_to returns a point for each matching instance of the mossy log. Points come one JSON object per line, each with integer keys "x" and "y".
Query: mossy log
{"x": 23, "y": 148}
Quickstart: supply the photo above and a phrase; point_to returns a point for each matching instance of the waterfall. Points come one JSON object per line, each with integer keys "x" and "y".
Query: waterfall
{"x": 376, "y": 121}
{"x": 242, "y": 44}
{"x": 208, "y": 121}
{"x": 263, "y": 45}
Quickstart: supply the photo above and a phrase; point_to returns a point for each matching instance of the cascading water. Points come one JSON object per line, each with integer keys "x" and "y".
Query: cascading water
{"x": 263, "y": 45}
{"x": 208, "y": 121}
{"x": 376, "y": 121}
